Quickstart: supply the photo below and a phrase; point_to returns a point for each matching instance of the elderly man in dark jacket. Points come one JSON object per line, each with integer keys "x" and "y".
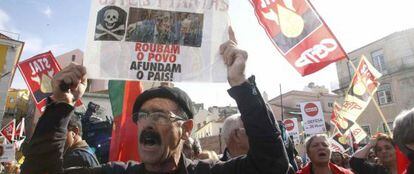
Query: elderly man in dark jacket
{"x": 164, "y": 117}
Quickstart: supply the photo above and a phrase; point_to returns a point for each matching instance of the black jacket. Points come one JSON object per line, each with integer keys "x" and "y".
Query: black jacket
{"x": 362, "y": 166}
{"x": 80, "y": 154}
{"x": 266, "y": 154}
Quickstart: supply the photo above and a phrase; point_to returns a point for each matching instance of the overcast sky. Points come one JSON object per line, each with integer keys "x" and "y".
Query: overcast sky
{"x": 60, "y": 26}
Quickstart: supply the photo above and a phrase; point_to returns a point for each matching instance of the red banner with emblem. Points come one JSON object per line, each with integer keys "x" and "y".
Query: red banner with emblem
{"x": 299, "y": 33}
{"x": 38, "y": 72}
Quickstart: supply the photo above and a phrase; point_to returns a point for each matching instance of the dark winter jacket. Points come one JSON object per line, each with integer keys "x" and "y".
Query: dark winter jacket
{"x": 266, "y": 154}
{"x": 362, "y": 166}
{"x": 80, "y": 154}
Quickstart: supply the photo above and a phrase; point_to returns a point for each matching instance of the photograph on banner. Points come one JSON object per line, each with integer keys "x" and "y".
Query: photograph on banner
{"x": 7, "y": 153}
{"x": 38, "y": 72}
{"x": 292, "y": 128}
{"x": 312, "y": 116}
{"x": 299, "y": 33}
{"x": 157, "y": 40}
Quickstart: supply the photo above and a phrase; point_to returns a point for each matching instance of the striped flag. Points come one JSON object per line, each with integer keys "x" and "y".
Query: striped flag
{"x": 124, "y": 142}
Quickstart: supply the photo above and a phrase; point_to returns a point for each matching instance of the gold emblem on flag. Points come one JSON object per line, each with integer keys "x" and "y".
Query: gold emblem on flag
{"x": 46, "y": 84}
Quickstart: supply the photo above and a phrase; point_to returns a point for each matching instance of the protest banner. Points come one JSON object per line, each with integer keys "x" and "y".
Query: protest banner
{"x": 312, "y": 116}
{"x": 38, "y": 72}
{"x": 7, "y": 153}
{"x": 339, "y": 142}
{"x": 346, "y": 126}
{"x": 292, "y": 128}
{"x": 299, "y": 33}
{"x": 8, "y": 131}
{"x": 364, "y": 83}
{"x": 156, "y": 40}
{"x": 357, "y": 132}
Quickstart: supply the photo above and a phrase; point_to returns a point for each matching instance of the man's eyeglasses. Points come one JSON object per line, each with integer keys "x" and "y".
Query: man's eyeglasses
{"x": 157, "y": 117}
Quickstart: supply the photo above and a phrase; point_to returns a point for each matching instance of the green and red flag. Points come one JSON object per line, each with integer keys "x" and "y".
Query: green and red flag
{"x": 124, "y": 142}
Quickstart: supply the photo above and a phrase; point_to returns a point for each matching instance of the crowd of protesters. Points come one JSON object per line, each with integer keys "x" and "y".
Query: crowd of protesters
{"x": 254, "y": 141}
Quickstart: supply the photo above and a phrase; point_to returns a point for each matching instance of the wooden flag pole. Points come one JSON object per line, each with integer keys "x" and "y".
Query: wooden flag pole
{"x": 373, "y": 98}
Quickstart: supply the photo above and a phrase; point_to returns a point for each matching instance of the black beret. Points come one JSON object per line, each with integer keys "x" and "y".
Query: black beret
{"x": 173, "y": 93}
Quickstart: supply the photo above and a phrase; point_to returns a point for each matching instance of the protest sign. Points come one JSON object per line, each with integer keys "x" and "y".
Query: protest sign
{"x": 8, "y": 131}
{"x": 157, "y": 40}
{"x": 299, "y": 34}
{"x": 38, "y": 72}
{"x": 312, "y": 115}
{"x": 292, "y": 128}
{"x": 7, "y": 153}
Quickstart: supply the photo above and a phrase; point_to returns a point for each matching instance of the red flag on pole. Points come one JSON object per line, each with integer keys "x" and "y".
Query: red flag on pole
{"x": 124, "y": 142}
{"x": 299, "y": 33}
{"x": 8, "y": 131}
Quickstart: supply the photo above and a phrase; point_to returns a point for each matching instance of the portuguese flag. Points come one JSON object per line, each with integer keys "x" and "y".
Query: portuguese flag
{"x": 124, "y": 142}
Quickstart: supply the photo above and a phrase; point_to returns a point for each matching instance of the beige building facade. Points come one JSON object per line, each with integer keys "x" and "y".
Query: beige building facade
{"x": 393, "y": 56}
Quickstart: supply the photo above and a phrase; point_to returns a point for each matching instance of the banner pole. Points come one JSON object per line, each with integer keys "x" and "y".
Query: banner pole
{"x": 374, "y": 101}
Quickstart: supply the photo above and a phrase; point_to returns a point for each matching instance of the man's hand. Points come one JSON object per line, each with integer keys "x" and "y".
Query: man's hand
{"x": 235, "y": 59}
{"x": 69, "y": 84}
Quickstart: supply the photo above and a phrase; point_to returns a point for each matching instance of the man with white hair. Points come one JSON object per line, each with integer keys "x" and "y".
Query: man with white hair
{"x": 235, "y": 137}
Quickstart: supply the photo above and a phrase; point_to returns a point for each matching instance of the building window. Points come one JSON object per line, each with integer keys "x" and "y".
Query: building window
{"x": 73, "y": 58}
{"x": 330, "y": 104}
{"x": 11, "y": 100}
{"x": 378, "y": 60}
{"x": 384, "y": 94}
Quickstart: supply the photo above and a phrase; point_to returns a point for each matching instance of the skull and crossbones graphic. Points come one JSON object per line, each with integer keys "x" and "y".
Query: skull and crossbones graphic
{"x": 111, "y": 25}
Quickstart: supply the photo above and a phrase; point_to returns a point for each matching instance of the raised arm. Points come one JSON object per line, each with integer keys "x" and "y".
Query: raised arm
{"x": 44, "y": 152}
{"x": 267, "y": 153}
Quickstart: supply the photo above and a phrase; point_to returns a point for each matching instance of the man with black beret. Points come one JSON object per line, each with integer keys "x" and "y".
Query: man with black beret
{"x": 164, "y": 118}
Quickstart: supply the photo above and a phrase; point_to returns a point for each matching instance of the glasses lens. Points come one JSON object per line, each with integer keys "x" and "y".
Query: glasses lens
{"x": 158, "y": 117}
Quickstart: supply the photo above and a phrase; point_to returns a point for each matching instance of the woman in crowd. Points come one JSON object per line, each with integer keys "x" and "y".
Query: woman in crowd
{"x": 338, "y": 159}
{"x": 383, "y": 146}
{"x": 319, "y": 153}
{"x": 404, "y": 136}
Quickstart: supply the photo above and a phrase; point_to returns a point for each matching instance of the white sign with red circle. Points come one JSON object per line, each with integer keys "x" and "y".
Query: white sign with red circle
{"x": 292, "y": 128}
{"x": 312, "y": 115}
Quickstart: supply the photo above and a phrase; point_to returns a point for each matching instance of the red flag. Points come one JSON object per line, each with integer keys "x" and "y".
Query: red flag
{"x": 299, "y": 33}
{"x": 124, "y": 142}
{"x": 8, "y": 131}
